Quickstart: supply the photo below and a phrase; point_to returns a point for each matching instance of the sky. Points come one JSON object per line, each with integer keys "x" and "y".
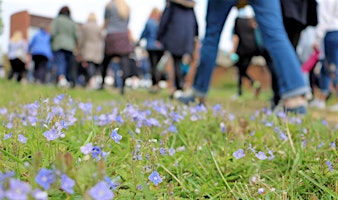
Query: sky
{"x": 80, "y": 9}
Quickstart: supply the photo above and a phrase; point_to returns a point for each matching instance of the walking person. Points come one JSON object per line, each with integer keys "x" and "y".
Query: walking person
{"x": 117, "y": 41}
{"x": 178, "y": 33}
{"x": 64, "y": 42}
{"x": 91, "y": 49}
{"x": 41, "y": 52}
{"x": 292, "y": 86}
{"x": 327, "y": 32}
{"x": 154, "y": 47}
{"x": 18, "y": 56}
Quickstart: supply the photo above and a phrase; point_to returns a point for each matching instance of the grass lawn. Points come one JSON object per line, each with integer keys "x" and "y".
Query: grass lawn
{"x": 82, "y": 144}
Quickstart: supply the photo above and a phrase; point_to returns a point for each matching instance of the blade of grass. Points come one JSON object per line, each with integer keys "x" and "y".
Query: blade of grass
{"x": 327, "y": 190}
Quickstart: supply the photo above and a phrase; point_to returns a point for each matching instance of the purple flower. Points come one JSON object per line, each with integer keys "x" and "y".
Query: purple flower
{"x": 58, "y": 98}
{"x": 239, "y": 154}
{"x": 51, "y": 135}
{"x": 87, "y": 148}
{"x": 67, "y": 184}
{"x": 115, "y": 136}
{"x": 2, "y": 193}
{"x": 163, "y": 151}
{"x": 321, "y": 145}
{"x": 155, "y": 178}
{"x": 4, "y": 176}
{"x": 222, "y": 127}
{"x": 172, "y": 129}
{"x": 45, "y": 178}
{"x": 38, "y": 194}
{"x": 22, "y": 139}
{"x": 261, "y": 155}
{"x": 101, "y": 191}
{"x": 261, "y": 191}
{"x": 96, "y": 151}
{"x": 171, "y": 151}
{"x": 18, "y": 190}
{"x": 329, "y": 165}
{"x": 9, "y": 125}
{"x": 111, "y": 183}
{"x": 333, "y": 145}
{"x": 282, "y": 136}
{"x": 7, "y": 136}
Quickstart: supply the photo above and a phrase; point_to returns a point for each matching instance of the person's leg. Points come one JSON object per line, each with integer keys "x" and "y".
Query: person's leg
{"x": 242, "y": 65}
{"x": 217, "y": 13}
{"x": 20, "y": 69}
{"x": 106, "y": 60}
{"x": 292, "y": 85}
{"x": 126, "y": 71}
{"x": 154, "y": 58}
{"x": 61, "y": 65}
{"x": 178, "y": 79}
{"x": 12, "y": 70}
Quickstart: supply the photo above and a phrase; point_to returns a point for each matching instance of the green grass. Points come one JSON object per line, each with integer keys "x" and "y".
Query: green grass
{"x": 203, "y": 166}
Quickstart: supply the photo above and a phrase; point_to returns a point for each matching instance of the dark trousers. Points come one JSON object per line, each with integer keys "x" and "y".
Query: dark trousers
{"x": 243, "y": 65}
{"x": 124, "y": 65}
{"x": 17, "y": 67}
{"x": 40, "y": 67}
{"x": 154, "y": 58}
{"x": 178, "y": 77}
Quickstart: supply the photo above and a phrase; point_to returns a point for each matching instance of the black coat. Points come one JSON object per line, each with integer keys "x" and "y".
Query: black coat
{"x": 302, "y": 11}
{"x": 178, "y": 28}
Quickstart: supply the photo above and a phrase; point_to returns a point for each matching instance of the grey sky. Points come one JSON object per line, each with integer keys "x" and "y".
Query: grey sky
{"x": 80, "y": 9}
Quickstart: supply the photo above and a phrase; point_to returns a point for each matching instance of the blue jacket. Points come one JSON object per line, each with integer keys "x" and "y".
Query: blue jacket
{"x": 150, "y": 34}
{"x": 40, "y": 44}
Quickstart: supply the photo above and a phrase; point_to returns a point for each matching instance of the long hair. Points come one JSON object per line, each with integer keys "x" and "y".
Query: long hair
{"x": 122, "y": 8}
{"x": 91, "y": 17}
{"x": 155, "y": 14}
{"x": 65, "y": 11}
{"x": 17, "y": 36}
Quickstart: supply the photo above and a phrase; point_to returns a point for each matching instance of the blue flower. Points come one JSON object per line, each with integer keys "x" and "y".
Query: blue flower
{"x": 39, "y": 194}
{"x": 111, "y": 183}
{"x": 261, "y": 155}
{"x": 58, "y": 98}
{"x": 171, "y": 151}
{"x": 7, "y": 136}
{"x": 22, "y": 139}
{"x": 329, "y": 165}
{"x": 115, "y": 136}
{"x": 333, "y": 145}
{"x": 222, "y": 127}
{"x": 86, "y": 149}
{"x": 45, "y": 178}
{"x": 9, "y": 125}
{"x": 282, "y": 136}
{"x": 51, "y": 135}
{"x": 172, "y": 129}
{"x": 155, "y": 178}
{"x": 67, "y": 184}
{"x": 18, "y": 190}
{"x": 96, "y": 151}
{"x": 239, "y": 154}
{"x": 101, "y": 191}
{"x": 261, "y": 191}
{"x": 163, "y": 151}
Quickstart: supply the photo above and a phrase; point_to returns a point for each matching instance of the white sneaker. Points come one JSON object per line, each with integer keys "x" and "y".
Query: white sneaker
{"x": 319, "y": 104}
{"x": 63, "y": 83}
{"x": 234, "y": 97}
{"x": 334, "y": 108}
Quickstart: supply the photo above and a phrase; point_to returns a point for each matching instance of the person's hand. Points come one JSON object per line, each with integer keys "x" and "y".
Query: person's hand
{"x": 315, "y": 46}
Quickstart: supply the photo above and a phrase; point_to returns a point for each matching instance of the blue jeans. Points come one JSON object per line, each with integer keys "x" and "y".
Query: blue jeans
{"x": 117, "y": 74}
{"x": 329, "y": 72}
{"x": 269, "y": 18}
{"x": 63, "y": 61}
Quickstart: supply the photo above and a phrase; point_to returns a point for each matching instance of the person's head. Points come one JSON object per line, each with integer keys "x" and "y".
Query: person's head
{"x": 155, "y": 14}
{"x": 17, "y": 36}
{"x": 91, "y": 17}
{"x": 65, "y": 11}
{"x": 122, "y": 9}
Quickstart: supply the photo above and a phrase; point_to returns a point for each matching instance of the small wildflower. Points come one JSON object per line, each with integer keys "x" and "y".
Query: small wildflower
{"x": 9, "y": 125}
{"x": 96, "y": 151}
{"x": 115, "y": 136}
{"x": 22, "y": 139}
{"x": 45, "y": 178}
{"x": 86, "y": 149}
{"x": 333, "y": 145}
{"x": 321, "y": 145}
{"x": 18, "y": 190}
{"x": 329, "y": 165}
{"x": 261, "y": 191}
{"x": 51, "y": 135}
{"x": 67, "y": 184}
{"x": 7, "y": 136}
{"x": 38, "y": 194}
{"x": 239, "y": 154}
{"x": 282, "y": 136}
{"x": 222, "y": 127}
{"x": 261, "y": 155}
{"x": 101, "y": 191}
{"x": 171, "y": 151}
{"x": 155, "y": 178}
{"x": 111, "y": 183}
{"x": 163, "y": 151}
{"x": 172, "y": 129}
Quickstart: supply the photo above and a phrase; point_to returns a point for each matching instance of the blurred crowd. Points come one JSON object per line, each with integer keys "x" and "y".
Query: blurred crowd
{"x": 297, "y": 39}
